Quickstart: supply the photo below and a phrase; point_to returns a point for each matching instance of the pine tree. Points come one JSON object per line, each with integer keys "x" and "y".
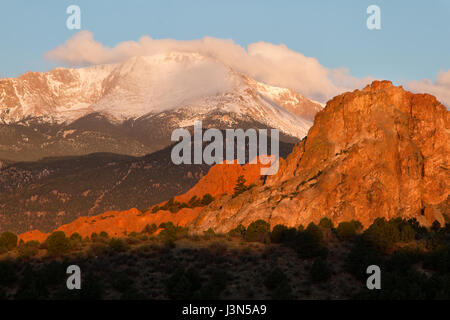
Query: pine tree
{"x": 240, "y": 186}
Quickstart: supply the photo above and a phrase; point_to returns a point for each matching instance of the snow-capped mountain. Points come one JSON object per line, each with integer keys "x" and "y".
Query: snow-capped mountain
{"x": 169, "y": 90}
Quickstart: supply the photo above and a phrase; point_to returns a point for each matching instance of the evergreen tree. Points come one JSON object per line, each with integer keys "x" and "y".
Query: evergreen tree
{"x": 240, "y": 186}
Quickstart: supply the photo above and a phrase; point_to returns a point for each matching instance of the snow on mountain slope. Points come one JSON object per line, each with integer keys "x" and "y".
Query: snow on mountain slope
{"x": 191, "y": 82}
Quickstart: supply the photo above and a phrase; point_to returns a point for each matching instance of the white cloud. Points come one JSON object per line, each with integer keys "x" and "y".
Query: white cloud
{"x": 272, "y": 64}
{"x": 439, "y": 88}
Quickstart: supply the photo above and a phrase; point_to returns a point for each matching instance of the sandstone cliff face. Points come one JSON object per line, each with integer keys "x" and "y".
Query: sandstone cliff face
{"x": 376, "y": 152}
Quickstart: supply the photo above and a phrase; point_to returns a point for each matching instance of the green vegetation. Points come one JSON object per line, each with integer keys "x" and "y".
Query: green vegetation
{"x": 326, "y": 223}
{"x": 239, "y": 231}
{"x": 58, "y": 244}
{"x": 118, "y": 245}
{"x": 277, "y": 234}
{"x": 240, "y": 186}
{"x": 166, "y": 262}
{"x": 175, "y": 206}
{"x": 384, "y": 234}
{"x": 258, "y": 231}
{"x": 8, "y": 241}
{"x": 348, "y": 230}
{"x": 28, "y": 249}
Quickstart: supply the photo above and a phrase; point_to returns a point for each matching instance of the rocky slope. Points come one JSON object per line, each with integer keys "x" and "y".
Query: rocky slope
{"x": 378, "y": 152}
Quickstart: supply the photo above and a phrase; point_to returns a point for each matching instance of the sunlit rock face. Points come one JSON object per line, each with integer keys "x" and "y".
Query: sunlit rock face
{"x": 376, "y": 152}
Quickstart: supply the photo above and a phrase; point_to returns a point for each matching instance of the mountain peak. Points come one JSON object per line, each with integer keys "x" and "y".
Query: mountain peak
{"x": 151, "y": 84}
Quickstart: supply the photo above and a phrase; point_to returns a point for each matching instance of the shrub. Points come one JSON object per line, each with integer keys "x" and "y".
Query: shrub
{"x": 94, "y": 236}
{"x": 28, "y": 250}
{"x": 118, "y": 245}
{"x": 194, "y": 202}
{"x": 320, "y": 271}
{"x": 76, "y": 241}
{"x": 207, "y": 199}
{"x": 150, "y": 229}
{"x": 290, "y": 234}
{"x": 315, "y": 231}
{"x": 418, "y": 229}
{"x": 172, "y": 232}
{"x": 307, "y": 245}
{"x": 76, "y": 237}
{"x": 257, "y": 231}
{"x": 382, "y": 234}
{"x": 278, "y": 233}
{"x": 407, "y": 233}
{"x": 436, "y": 226}
{"x": 8, "y": 241}
{"x": 326, "y": 223}
{"x": 346, "y": 230}
{"x": 57, "y": 243}
{"x": 239, "y": 231}
{"x": 98, "y": 248}
{"x": 104, "y": 235}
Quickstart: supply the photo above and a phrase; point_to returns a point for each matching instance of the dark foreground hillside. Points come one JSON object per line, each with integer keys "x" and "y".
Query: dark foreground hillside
{"x": 317, "y": 262}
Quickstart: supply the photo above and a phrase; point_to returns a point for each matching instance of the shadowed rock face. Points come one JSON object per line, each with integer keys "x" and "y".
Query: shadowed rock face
{"x": 376, "y": 152}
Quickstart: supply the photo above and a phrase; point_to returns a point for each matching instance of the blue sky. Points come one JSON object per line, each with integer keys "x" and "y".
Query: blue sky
{"x": 413, "y": 43}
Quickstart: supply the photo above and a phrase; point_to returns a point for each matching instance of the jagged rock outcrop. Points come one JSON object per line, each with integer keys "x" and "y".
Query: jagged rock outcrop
{"x": 376, "y": 152}
{"x": 221, "y": 179}
{"x": 117, "y": 223}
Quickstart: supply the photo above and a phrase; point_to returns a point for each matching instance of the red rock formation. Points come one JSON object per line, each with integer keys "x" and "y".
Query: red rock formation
{"x": 376, "y": 152}
{"x": 221, "y": 179}
{"x": 35, "y": 235}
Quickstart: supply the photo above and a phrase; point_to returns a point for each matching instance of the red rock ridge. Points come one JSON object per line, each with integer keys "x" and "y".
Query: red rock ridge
{"x": 221, "y": 179}
{"x": 376, "y": 152}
